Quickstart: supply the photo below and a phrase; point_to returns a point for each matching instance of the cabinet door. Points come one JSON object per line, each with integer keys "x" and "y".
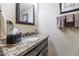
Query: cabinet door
{"x": 31, "y": 53}
{"x": 45, "y": 50}
{"x": 41, "y": 46}
{"x": 41, "y": 53}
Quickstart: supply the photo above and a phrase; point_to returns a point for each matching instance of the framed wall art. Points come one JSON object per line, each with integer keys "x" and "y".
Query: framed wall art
{"x": 68, "y": 7}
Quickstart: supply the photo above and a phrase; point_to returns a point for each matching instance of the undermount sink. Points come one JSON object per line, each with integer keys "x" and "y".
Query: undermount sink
{"x": 30, "y": 40}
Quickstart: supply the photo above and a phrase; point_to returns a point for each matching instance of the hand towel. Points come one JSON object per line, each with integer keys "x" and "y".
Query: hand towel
{"x": 60, "y": 21}
{"x": 69, "y": 18}
{"x": 76, "y": 17}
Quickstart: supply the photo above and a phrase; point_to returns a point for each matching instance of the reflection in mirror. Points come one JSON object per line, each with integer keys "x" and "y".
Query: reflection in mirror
{"x": 25, "y": 13}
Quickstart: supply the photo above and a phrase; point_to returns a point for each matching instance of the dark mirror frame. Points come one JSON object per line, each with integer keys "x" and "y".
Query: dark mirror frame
{"x": 18, "y": 15}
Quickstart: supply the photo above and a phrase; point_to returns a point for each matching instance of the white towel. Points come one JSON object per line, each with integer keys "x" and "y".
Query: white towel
{"x": 60, "y": 21}
{"x": 76, "y": 20}
{"x": 69, "y": 18}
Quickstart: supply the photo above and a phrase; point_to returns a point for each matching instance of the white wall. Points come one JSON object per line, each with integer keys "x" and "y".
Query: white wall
{"x": 66, "y": 43}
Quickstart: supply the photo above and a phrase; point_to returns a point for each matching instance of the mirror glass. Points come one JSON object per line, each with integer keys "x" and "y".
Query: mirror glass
{"x": 25, "y": 13}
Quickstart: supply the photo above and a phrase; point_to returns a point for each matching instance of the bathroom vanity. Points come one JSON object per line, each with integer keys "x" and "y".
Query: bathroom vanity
{"x": 41, "y": 49}
{"x": 28, "y": 46}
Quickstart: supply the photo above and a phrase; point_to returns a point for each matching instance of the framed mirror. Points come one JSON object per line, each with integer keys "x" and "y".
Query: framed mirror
{"x": 25, "y": 13}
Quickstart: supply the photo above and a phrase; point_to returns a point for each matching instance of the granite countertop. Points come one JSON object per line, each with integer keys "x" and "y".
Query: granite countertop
{"x": 23, "y": 46}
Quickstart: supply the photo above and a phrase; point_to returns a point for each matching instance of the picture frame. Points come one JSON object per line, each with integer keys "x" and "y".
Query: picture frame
{"x": 68, "y": 7}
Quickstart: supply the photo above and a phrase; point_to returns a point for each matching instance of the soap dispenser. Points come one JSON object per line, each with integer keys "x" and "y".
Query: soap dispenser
{"x": 3, "y": 32}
